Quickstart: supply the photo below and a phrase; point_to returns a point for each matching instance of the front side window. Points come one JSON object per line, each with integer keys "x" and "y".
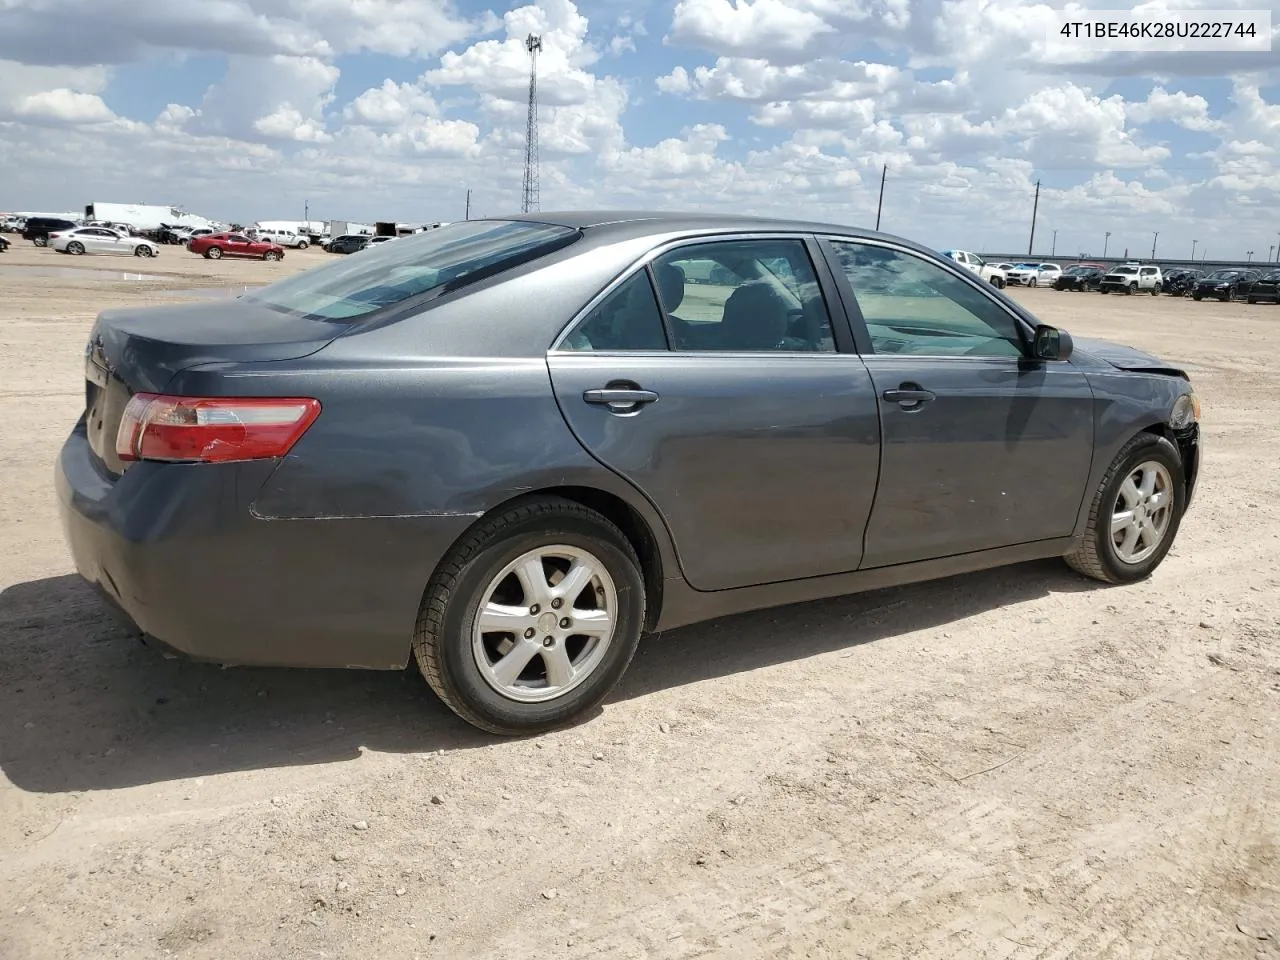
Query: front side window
{"x": 390, "y": 273}
{"x": 915, "y": 307}
{"x": 743, "y": 296}
{"x": 627, "y": 319}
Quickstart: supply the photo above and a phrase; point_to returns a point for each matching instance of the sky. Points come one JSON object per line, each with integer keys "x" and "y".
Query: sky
{"x": 246, "y": 110}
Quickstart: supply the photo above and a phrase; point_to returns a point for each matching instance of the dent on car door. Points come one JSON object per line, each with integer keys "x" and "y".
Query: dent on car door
{"x": 729, "y": 406}
{"x": 983, "y": 447}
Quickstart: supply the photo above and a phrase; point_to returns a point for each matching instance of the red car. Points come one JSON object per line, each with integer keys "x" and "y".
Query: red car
{"x": 217, "y": 245}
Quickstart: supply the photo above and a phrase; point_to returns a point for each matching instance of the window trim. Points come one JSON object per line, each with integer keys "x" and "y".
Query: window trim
{"x": 840, "y": 321}
{"x": 857, "y": 321}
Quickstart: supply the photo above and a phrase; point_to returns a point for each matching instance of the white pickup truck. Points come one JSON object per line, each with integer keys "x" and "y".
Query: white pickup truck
{"x": 971, "y": 261}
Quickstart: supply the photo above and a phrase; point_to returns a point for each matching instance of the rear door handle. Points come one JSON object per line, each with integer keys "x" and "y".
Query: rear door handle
{"x": 620, "y": 399}
{"x": 909, "y": 395}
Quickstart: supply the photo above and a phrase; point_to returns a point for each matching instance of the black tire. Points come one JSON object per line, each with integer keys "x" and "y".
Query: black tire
{"x": 1096, "y": 555}
{"x": 213, "y": 253}
{"x": 302, "y": 244}
{"x": 75, "y": 248}
{"x": 1155, "y": 291}
{"x": 1131, "y": 289}
{"x": 442, "y": 640}
{"x": 271, "y": 255}
{"x": 40, "y": 241}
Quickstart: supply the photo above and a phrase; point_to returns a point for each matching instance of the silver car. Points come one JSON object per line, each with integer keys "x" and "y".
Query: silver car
{"x": 84, "y": 240}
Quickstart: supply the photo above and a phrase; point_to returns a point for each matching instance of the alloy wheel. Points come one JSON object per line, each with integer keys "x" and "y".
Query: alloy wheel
{"x": 544, "y": 623}
{"x": 1142, "y": 512}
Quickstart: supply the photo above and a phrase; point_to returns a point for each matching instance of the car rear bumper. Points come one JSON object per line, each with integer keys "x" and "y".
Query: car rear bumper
{"x": 178, "y": 553}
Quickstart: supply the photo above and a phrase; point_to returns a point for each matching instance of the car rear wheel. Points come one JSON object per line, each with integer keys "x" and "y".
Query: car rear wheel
{"x": 1135, "y": 513}
{"x": 142, "y": 250}
{"x": 213, "y": 253}
{"x": 41, "y": 241}
{"x": 271, "y": 255}
{"x": 302, "y": 244}
{"x": 532, "y": 618}
{"x": 75, "y": 248}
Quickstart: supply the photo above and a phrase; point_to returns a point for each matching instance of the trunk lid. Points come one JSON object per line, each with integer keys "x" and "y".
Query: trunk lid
{"x": 139, "y": 351}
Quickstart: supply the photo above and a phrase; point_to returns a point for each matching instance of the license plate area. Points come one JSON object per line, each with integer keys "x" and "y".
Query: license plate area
{"x": 105, "y": 399}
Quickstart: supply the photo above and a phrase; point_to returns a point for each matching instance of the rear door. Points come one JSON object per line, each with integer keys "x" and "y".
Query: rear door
{"x": 983, "y": 447}
{"x": 733, "y": 403}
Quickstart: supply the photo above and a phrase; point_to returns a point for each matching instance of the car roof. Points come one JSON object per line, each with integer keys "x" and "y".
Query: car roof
{"x": 660, "y": 222}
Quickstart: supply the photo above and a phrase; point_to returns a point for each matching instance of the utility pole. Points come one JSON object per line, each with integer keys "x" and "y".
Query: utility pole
{"x": 1034, "y": 209}
{"x": 1054, "y": 246}
{"x": 884, "y": 171}
{"x": 467, "y": 216}
{"x": 1269, "y": 249}
{"x": 1250, "y": 256}
{"x": 1106, "y": 240}
{"x": 1193, "y": 250}
{"x": 1154, "y": 237}
{"x": 306, "y": 212}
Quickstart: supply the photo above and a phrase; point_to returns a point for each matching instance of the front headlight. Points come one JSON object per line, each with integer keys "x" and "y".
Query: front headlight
{"x": 1186, "y": 411}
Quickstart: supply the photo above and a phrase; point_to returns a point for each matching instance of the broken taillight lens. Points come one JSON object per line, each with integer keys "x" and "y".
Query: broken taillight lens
{"x": 212, "y": 429}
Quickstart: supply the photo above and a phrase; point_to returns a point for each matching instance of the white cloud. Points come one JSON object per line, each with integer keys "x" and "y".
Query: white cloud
{"x": 760, "y": 106}
{"x": 390, "y": 105}
{"x": 278, "y": 97}
{"x": 66, "y": 106}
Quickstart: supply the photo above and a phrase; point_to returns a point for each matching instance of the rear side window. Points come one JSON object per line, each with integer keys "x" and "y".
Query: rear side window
{"x": 627, "y": 319}
{"x": 390, "y": 273}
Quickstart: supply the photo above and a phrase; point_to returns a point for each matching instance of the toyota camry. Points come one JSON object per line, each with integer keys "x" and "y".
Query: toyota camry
{"x": 509, "y": 448}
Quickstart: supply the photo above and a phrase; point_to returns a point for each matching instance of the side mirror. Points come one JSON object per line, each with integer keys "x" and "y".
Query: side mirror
{"x": 1050, "y": 343}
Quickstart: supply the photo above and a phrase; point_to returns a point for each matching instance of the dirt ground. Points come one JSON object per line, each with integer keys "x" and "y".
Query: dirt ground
{"x": 1013, "y": 764}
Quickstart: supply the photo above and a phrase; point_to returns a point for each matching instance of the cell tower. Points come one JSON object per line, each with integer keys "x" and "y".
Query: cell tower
{"x": 530, "y": 199}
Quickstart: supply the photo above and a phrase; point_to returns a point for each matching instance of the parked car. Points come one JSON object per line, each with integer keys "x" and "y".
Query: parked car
{"x": 348, "y": 243}
{"x": 218, "y": 245}
{"x": 84, "y": 240}
{"x": 1223, "y": 284}
{"x": 993, "y": 274}
{"x": 37, "y": 229}
{"x": 1265, "y": 287}
{"x": 501, "y": 448}
{"x": 374, "y": 241}
{"x": 1081, "y": 276}
{"x": 285, "y": 238}
{"x": 4, "y": 244}
{"x": 1033, "y": 274}
{"x": 1179, "y": 282}
{"x": 1132, "y": 278}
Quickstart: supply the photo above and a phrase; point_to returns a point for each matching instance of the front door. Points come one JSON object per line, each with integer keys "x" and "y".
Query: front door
{"x": 983, "y": 447}
{"x": 739, "y": 419}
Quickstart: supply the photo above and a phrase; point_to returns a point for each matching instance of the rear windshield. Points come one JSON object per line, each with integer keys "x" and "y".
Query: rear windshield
{"x": 388, "y": 273}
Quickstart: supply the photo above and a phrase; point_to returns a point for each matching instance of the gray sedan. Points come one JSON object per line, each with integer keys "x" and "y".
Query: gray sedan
{"x": 509, "y": 448}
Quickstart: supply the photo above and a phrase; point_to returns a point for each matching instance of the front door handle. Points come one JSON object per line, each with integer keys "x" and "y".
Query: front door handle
{"x": 909, "y": 395}
{"x": 620, "y": 399}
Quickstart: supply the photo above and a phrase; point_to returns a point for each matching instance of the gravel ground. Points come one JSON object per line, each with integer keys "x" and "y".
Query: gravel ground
{"x": 1015, "y": 764}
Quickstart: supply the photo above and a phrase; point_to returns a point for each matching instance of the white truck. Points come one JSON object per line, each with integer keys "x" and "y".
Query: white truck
{"x": 975, "y": 264}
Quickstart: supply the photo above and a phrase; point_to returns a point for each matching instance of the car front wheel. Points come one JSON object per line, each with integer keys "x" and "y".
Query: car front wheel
{"x": 1135, "y": 513}
{"x": 532, "y": 618}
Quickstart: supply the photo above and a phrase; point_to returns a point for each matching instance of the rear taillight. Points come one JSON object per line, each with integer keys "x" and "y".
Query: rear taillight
{"x": 212, "y": 429}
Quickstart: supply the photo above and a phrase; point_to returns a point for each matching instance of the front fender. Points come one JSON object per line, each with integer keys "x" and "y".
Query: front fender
{"x": 1126, "y": 404}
